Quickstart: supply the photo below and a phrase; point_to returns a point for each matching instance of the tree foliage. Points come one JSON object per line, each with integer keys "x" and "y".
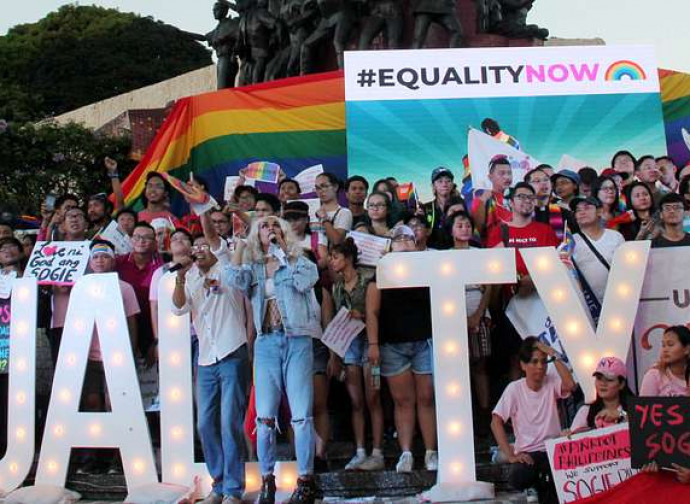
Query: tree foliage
{"x": 40, "y": 159}
{"x": 83, "y": 54}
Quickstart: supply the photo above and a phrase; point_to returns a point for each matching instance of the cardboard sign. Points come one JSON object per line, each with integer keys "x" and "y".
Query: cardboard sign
{"x": 5, "y": 317}
{"x": 660, "y": 430}
{"x": 307, "y": 178}
{"x": 371, "y": 247}
{"x": 263, "y": 171}
{"x": 589, "y": 463}
{"x": 113, "y": 233}
{"x": 231, "y": 184}
{"x": 342, "y": 330}
{"x": 58, "y": 263}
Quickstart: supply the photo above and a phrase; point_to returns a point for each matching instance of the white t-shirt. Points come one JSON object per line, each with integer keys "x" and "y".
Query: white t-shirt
{"x": 305, "y": 243}
{"x": 342, "y": 218}
{"x": 596, "y": 273}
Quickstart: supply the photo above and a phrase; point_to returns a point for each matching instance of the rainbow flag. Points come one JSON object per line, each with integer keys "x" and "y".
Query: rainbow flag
{"x": 675, "y": 102}
{"x": 263, "y": 170}
{"x": 292, "y": 123}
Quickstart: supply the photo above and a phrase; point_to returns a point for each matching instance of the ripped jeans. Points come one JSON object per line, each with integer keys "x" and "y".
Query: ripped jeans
{"x": 284, "y": 363}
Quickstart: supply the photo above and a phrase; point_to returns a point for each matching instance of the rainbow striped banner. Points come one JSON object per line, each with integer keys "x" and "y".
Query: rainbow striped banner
{"x": 263, "y": 171}
{"x": 292, "y": 123}
{"x": 675, "y": 101}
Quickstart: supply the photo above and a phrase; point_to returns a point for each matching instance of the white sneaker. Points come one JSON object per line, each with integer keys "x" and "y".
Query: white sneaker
{"x": 431, "y": 460}
{"x": 355, "y": 462}
{"x": 405, "y": 463}
{"x": 213, "y": 498}
{"x": 532, "y": 496}
{"x": 373, "y": 463}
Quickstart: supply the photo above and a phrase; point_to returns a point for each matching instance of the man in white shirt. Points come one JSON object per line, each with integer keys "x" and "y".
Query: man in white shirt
{"x": 220, "y": 319}
{"x": 594, "y": 245}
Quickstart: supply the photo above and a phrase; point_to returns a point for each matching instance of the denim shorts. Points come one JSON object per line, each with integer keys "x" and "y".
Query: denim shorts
{"x": 358, "y": 352}
{"x": 396, "y": 358}
{"x": 321, "y": 356}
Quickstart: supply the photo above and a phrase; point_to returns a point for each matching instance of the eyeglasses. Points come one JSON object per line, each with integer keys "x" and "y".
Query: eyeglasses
{"x": 323, "y": 187}
{"x": 525, "y": 197}
{"x": 677, "y": 207}
{"x": 143, "y": 238}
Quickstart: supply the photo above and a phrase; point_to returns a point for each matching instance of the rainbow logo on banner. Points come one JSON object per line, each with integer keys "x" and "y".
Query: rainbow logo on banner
{"x": 625, "y": 69}
{"x": 263, "y": 170}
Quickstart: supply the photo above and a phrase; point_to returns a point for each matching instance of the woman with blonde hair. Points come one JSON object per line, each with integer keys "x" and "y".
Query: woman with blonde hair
{"x": 278, "y": 279}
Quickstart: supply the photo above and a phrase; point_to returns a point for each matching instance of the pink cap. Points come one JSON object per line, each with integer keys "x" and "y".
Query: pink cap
{"x": 611, "y": 367}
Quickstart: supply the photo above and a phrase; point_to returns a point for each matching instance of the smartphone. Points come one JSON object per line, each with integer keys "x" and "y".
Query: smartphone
{"x": 50, "y": 202}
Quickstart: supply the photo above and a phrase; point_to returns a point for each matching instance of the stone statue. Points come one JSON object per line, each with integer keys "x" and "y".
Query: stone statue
{"x": 224, "y": 39}
{"x": 338, "y": 18}
{"x": 436, "y": 11}
{"x": 488, "y": 14}
{"x": 256, "y": 29}
{"x": 383, "y": 15}
{"x": 513, "y": 21}
{"x": 298, "y": 16}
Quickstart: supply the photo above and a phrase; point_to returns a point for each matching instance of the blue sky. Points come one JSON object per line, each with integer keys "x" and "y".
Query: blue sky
{"x": 663, "y": 23}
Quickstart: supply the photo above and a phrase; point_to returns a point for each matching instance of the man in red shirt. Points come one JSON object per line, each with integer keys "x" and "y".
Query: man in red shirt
{"x": 521, "y": 232}
{"x": 489, "y": 208}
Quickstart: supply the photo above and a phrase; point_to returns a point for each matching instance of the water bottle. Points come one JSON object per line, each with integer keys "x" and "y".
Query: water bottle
{"x": 376, "y": 376}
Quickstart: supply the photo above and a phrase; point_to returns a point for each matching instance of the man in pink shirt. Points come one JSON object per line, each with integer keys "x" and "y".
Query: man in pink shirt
{"x": 530, "y": 404}
{"x": 137, "y": 268}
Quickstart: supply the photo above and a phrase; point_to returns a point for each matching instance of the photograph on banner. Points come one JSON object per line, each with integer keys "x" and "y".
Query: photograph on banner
{"x": 590, "y": 462}
{"x": 371, "y": 247}
{"x": 664, "y": 302}
{"x": 341, "y": 331}
{"x": 58, "y": 263}
{"x": 660, "y": 431}
{"x": 415, "y": 110}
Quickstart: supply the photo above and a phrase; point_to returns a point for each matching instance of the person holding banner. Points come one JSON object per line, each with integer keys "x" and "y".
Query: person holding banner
{"x": 530, "y": 403}
{"x": 349, "y": 291}
{"x": 671, "y": 375}
{"x": 611, "y": 404}
{"x": 271, "y": 269}
{"x": 398, "y": 324}
{"x": 336, "y": 220}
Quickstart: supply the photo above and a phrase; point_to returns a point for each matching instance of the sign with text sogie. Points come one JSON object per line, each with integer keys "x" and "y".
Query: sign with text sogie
{"x": 589, "y": 463}
{"x": 58, "y": 263}
{"x": 660, "y": 431}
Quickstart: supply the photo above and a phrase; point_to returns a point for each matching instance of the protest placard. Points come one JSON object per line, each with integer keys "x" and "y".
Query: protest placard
{"x": 307, "y": 178}
{"x": 58, "y": 263}
{"x": 231, "y": 184}
{"x": 341, "y": 331}
{"x": 5, "y": 317}
{"x": 113, "y": 233}
{"x": 371, "y": 247}
{"x": 263, "y": 171}
{"x": 6, "y": 279}
{"x": 660, "y": 430}
{"x": 590, "y": 462}
{"x": 239, "y": 228}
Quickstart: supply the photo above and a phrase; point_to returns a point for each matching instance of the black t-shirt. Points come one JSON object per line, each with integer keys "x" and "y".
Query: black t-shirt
{"x": 405, "y": 315}
{"x": 661, "y": 242}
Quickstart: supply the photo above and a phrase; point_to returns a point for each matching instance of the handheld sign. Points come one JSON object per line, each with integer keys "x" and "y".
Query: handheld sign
{"x": 371, "y": 248}
{"x": 660, "y": 430}
{"x": 307, "y": 178}
{"x": 58, "y": 263}
{"x": 263, "y": 171}
{"x": 342, "y": 330}
{"x": 589, "y": 463}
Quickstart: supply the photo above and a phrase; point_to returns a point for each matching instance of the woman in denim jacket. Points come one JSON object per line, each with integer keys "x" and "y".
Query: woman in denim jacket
{"x": 272, "y": 271}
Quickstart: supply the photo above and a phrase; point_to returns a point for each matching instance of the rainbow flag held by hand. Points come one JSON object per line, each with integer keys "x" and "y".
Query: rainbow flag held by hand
{"x": 263, "y": 171}
{"x": 405, "y": 191}
{"x": 291, "y": 123}
{"x": 184, "y": 189}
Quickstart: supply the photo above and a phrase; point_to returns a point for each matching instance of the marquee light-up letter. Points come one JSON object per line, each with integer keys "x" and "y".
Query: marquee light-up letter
{"x": 16, "y": 463}
{"x": 96, "y": 299}
{"x": 447, "y": 273}
{"x": 613, "y": 334}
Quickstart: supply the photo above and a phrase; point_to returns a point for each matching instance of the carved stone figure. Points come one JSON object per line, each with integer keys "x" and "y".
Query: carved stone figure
{"x": 513, "y": 21}
{"x": 442, "y": 12}
{"x": 298, "y": 16}
{"x": 338, "y": 18}
{"x": 488, "y": 14}
{"x": 256, "y": 29}
{"x": 383, "y": 15}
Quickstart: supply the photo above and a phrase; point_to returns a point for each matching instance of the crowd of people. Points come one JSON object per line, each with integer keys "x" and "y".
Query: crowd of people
{"x": 262, "y": 278}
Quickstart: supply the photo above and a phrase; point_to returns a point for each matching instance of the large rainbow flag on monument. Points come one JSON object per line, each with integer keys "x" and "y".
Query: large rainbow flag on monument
{"x": 675, "y": 99}
{"x": 295, "y": 123}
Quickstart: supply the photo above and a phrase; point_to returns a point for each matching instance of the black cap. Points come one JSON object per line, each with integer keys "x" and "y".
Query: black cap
{"x": 441, "y": 171}
{"x": 582, "y": 199}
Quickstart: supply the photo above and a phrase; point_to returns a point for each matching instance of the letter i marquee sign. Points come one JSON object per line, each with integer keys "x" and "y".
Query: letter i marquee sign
{"x": 125, "y": 426}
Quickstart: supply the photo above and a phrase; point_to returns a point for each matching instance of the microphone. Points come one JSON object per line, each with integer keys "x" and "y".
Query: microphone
{"x": 273, "y": 238}
{"x": 175, "y": 267}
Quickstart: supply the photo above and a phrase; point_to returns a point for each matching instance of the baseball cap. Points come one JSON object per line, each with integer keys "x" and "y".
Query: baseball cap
{"x": 402, "y": 231}
{"x": 610, "y": 172}
{"x": 569, "y": 174}
{"x": 582, "y": 199}
{"x": 611, "y": 367}
{"x": 441, "y": 171}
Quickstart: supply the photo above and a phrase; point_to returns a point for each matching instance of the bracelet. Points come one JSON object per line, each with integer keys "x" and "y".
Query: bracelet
{"x": 180, "y": 281}
{"x": 114, "y": 175}
{"x": 375, "y": 343}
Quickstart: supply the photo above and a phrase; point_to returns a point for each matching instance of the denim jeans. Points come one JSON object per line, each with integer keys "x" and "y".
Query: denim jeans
{"x": 222, "y": 403}
{"x": 283, "y": 363}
